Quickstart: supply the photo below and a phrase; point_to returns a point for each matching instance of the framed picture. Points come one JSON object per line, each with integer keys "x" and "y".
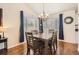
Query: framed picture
{"x": 0, "y": 17}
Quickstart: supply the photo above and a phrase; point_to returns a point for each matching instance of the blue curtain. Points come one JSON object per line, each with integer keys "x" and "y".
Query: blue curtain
{"x": 61, "y": 34}
{"x": 40, "y": 25}
{"x": 21, "y": 27}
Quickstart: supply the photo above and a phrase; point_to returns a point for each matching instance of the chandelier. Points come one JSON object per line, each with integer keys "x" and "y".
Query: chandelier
{"x": 43, "y": 16}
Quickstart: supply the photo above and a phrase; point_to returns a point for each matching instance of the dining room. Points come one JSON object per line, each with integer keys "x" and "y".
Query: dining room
{"x": 39, "y": 28}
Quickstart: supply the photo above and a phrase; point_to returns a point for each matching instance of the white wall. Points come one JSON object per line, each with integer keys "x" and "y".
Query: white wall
{"x": 69, "y": 29}
{"x": 11, "y": 20}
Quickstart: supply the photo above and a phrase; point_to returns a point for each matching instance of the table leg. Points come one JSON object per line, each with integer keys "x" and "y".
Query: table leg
{"x": 46, "y": 47}
{"x": 5, "y": 47}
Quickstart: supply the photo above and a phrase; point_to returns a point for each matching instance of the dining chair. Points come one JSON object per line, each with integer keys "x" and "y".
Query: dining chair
{"x": 53, "y": 43}
{"x": 54, "y": 39}
{"x": 29, "y": 39}
{"x": 33, "y": 43}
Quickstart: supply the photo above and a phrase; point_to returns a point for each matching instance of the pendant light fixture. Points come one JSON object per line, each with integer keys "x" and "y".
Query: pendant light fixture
{"x": 44, "y": 15}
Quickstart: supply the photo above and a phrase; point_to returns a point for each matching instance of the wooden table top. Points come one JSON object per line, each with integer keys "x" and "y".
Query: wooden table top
{"x": 43, "y": 35}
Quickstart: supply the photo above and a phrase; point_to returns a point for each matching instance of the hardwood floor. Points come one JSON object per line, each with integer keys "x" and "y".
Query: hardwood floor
{"x": 67, "y": 48}
{"x": 18, "y": 50}
{"x": 63, "y": 49}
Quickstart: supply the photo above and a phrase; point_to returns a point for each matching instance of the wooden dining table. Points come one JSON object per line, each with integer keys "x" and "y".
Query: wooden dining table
{"x": 44, "y": 37}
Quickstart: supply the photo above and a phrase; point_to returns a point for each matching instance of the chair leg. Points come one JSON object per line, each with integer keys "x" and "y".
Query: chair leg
{"x": 34, "y": 52}
{"x": 51, "y": 50}
{"x": 28, "y": 51}
{"x": 56, "y": 44}
{"x": 40, "y": 51}
{"x": 54, "y": 48}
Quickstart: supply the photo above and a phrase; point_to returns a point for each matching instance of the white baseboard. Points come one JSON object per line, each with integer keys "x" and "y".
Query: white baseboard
{"x": 16, "y": 45}
{"x": 61, "y": 40}
{"x": 67, "y": 41}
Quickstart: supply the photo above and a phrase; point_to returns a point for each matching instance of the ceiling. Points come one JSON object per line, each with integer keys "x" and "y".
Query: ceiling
{"x": 50, "y": 8}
